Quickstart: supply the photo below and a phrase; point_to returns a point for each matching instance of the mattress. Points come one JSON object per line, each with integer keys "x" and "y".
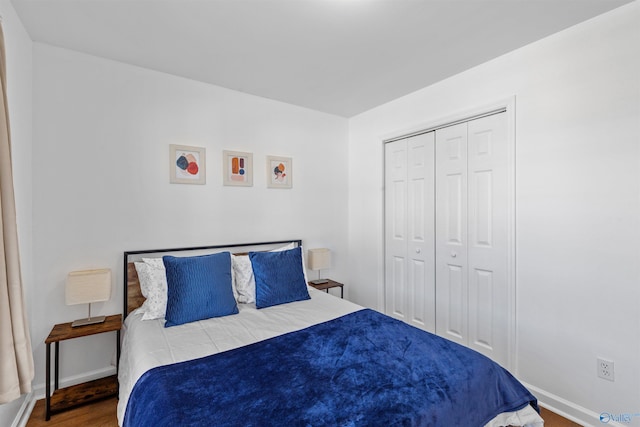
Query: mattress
{"x": 147, "y": 344}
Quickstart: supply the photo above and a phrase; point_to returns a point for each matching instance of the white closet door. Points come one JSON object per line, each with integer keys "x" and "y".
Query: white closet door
{"x": 421, "y": 231}
{"x": 396, "y": 229}
{"x": 472, "y": 287}
{"x": 488, "y": 237}
{"x": 409, "y": 231}
{"x": 451, "y": 233}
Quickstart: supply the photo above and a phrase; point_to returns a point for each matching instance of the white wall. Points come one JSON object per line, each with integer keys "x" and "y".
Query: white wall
{"x": 577, "y": 203}
{"x": 101, "y": 139}
{"x": 18, "y": 47}
{"x": 97, "y": 183}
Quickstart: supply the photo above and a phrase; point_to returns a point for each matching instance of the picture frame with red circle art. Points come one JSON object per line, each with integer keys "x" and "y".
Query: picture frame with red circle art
{"x": 187, "y": 164}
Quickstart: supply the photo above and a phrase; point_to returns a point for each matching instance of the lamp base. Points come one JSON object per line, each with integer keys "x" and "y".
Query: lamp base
{"x": 88, "y": 321}
{"x": 319, "y": 281}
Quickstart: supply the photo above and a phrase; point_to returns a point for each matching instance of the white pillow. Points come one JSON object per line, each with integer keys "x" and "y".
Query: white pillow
{"x": 153, "y": 284}
{"x": 244, "y": 281}
{"x": 154, "y": 262}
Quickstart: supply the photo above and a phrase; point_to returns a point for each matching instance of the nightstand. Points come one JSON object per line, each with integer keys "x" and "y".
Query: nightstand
{"x": 68, "y": 397}
{"x": 330, "y": 284}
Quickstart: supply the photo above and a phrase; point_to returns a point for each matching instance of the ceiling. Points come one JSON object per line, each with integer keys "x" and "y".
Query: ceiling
{"x": 341, "y": 57}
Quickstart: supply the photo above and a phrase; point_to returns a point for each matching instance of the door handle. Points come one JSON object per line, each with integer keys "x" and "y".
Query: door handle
{"x": 418, "y": 250}
{"x": 453, "y": 254}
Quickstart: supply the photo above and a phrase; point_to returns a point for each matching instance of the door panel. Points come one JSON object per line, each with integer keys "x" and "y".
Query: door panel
{"x": 454, "y": 214}
{"x": 399, "y": 203}
{"x": 482, "y": 193}
{"x": 471, "y": 235}
{"x": 409, "y": 230}
{"x": 418, "y": 278}
{"x": 420, "y": 248}
{"x": 451, "y": 232}
{"x": 396, "y": 303}
{"x": 416, "y": 209}
{"x": 481, "y": 297}
{"x": 488, "y": 237}
{"x": 396, "y": 229}
{"x": 455, "y": 323}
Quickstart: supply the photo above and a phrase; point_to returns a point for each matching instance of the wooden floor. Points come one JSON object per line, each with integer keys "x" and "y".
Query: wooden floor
{"x": 96, "y": 414}
{"x": 103, "y": 414}
{"x": 554, "y": 420}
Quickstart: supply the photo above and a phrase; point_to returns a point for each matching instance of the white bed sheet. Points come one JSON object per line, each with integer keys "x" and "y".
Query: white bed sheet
{"x": 148, "y": 344}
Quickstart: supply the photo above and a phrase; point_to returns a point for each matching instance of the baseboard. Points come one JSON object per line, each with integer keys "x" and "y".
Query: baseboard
{"x": 38, "y": 391}
{"x": 25, "y": 411}
{"x": 569, "y": 410}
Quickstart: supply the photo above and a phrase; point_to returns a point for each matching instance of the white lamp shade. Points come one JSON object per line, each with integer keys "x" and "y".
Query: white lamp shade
{"x": 87, "y": 286}
{"x": 319, "y": 259}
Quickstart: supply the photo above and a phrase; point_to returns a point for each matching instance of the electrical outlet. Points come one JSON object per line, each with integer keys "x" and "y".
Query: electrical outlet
{"x": 605, "y": 369}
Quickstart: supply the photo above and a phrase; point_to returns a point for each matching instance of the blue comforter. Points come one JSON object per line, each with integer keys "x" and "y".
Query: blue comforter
{"x": 361, "y": 369}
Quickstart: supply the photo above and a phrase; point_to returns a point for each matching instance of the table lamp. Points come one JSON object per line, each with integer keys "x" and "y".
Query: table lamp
{"x": 319, "y": 259}
{"x": 86, "y": 287}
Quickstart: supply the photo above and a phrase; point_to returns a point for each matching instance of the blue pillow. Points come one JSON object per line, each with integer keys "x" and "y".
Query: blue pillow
{"x": 279, "y": 277}
{"x": 198, "y": 288}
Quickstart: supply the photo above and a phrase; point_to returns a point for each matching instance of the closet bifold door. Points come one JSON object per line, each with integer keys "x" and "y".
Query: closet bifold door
{"x": 409, "y": 230}
{"x": 472, "y": 235}
{"x": 488, "y": 237}
{"x": 451, "y": 233}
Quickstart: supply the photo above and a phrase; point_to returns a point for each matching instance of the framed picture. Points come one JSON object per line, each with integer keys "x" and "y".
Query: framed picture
{"x": 237, "y": 168}
{"x": 187, "y": 165}
{"x": 279, "y": 172}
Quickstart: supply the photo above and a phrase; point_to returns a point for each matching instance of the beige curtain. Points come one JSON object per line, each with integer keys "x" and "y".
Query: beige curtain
{"x": 16, "y": 359}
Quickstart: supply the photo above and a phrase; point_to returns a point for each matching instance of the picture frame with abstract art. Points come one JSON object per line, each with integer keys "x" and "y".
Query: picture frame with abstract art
{"x": 237, "y": 168}
{"x": 187, "y": 164}
{"x": 279, "y": 172}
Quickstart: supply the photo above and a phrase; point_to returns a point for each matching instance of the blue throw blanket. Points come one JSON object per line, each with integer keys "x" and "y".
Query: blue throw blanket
{"x": 361, "y": 369}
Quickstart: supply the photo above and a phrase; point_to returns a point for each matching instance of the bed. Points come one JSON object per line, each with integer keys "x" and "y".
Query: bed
{"x": 296, "y": 356}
